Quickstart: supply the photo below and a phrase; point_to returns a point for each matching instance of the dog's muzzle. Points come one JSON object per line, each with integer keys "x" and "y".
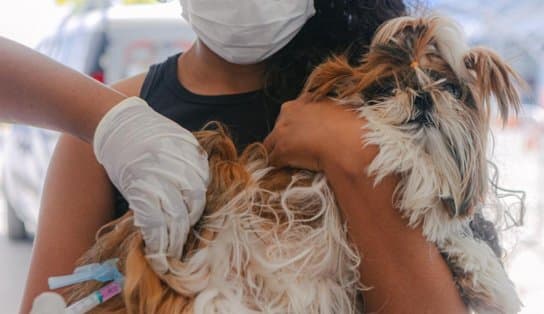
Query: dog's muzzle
{"x": 423, "y": 103}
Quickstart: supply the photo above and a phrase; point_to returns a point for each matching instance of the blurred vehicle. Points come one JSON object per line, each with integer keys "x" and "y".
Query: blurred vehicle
{"x": 107, "y": 42}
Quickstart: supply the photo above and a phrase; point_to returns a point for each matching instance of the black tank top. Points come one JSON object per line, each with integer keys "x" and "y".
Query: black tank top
{"x": 247, "y": 116}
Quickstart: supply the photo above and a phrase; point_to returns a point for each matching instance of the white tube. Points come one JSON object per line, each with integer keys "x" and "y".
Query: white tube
{"x": 94, "y": 299}
{"x": 84, "y": 305}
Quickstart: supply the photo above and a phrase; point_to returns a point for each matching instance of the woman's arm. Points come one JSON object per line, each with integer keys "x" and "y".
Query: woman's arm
{"x": 77, "y": 200}
{"x": 408, "y": 274}
{"x": 39, "y": 91}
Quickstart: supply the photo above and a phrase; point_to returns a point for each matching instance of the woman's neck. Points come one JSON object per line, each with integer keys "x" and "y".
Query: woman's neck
{"x": 203, "y": 72}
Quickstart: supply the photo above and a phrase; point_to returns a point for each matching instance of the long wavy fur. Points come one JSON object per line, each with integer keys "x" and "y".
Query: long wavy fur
{"x": 273, "y": 240}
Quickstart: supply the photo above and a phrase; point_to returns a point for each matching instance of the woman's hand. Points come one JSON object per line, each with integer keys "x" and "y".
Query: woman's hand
{"x": 325, "y": 136}
{"x": 318, "y": 135}
{"x": 39, "y": 91}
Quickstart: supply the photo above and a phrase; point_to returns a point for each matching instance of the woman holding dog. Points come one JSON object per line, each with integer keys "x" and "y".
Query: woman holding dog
{"x": 249, "y": 59}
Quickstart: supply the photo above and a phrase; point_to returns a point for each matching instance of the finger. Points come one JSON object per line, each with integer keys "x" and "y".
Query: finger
{"x": 279, "y": 156}
{"x": 304, "y": 98}
{"x": 176, "y": 216}
{"x": 164, "y": 223}
{"x": 178, "y": 230}
{"x": 270, "y": 141}
{"x": 283, "y": 109}
{"x": 145, "y": 204}
{"x": 155, "y": 240}
{"x": 275, "y": 160}
{"x": 279, "y": 160}
{"x": 196, "y": 202}
{"x": 172, "y": 202}
{"x": 158, "y": 262}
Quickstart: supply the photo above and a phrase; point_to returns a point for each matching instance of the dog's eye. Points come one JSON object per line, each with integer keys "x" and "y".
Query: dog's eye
{"x": 386, "y": 90}
{"x": 381, "y": 89}
{"x": 453, "y": 89}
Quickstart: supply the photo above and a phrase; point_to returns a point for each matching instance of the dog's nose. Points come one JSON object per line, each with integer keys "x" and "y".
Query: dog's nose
{"x": 423, "y": 101}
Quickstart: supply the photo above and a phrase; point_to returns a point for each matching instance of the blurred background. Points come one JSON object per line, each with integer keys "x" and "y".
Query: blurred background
{"x": 111, "y": 40}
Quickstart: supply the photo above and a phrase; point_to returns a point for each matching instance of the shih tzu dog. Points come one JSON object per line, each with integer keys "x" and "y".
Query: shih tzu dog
{"x": 427, "y": 101}
{"x": 273, "y": 240}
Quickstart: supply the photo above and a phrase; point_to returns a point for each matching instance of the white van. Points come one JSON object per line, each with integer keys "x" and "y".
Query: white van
{"x": 108, "y": 43}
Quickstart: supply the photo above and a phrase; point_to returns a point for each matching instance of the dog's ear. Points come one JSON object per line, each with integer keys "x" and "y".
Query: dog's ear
{"x": 493, "y": 77}
{"x": 332, "y": 78}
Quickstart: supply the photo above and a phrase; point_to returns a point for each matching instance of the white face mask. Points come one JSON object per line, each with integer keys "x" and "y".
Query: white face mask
{"x": 246, "y": 31}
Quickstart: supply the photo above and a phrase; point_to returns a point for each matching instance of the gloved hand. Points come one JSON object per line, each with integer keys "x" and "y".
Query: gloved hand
{"x": 160, "y": 169}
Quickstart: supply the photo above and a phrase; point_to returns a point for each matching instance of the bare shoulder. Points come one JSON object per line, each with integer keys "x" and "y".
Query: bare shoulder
{"x": 130, "y": 86}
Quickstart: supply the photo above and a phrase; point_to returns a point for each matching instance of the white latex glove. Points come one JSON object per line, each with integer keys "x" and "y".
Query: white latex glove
{"x": 160, "y": 169}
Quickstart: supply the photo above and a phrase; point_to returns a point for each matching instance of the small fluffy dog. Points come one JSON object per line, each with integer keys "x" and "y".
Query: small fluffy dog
{"x": 273, "y": 240}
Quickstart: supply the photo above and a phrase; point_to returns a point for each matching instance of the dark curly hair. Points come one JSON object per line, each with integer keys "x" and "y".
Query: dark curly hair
{"x": 338, "y": 26}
